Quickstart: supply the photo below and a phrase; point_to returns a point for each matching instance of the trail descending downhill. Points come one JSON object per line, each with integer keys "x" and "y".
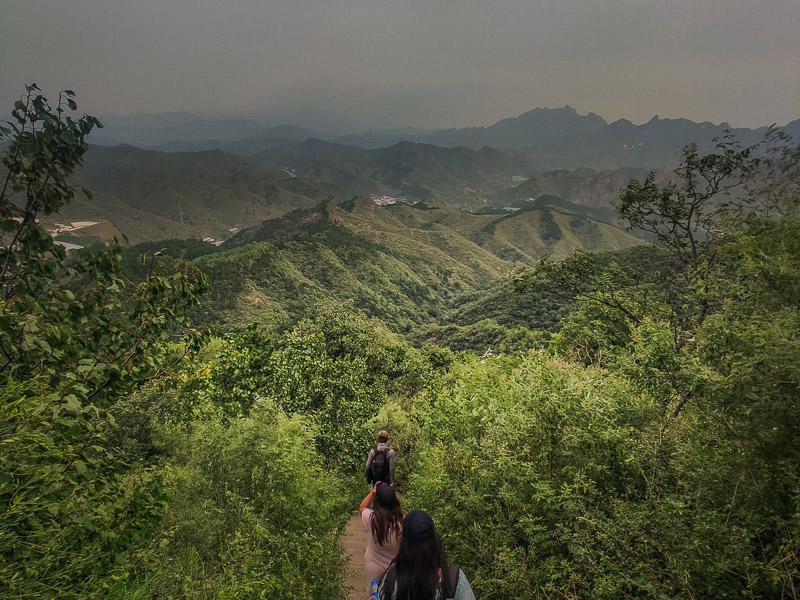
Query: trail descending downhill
{"x": 355, "y": 543}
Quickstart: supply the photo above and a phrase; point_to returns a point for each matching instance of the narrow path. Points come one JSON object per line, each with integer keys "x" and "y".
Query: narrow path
{"x": 354, "y": 541}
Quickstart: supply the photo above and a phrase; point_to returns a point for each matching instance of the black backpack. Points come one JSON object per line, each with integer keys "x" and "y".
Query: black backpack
{"x": 380, "y": 466}
{"x": 452, "y": 581}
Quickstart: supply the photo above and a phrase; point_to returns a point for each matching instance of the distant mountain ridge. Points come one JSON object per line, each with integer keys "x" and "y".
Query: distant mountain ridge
{"x": 535, "y": 126}
{"x": 652, "y": 145}
{"x": 400, "y": 263}
{"x": 149, "y": 195}
{"x": 548, "y": 138}
{"x": 562, "y": 139}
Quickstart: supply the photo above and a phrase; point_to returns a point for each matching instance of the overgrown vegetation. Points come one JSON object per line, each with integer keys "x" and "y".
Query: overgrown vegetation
{"x": 632, "y": 433}
{"x": 75, "y": 336}
{"x": 661, "y": 461}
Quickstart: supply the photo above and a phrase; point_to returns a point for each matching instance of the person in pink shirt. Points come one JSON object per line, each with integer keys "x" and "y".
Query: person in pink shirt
{"x": 383, "y": 519}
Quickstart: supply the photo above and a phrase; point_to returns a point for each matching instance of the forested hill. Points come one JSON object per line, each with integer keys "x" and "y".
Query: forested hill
{"x": 648, "y": 449}
{"x": 149, "y": 195}
{"x": 401, "y": 264}
{"x": 458, "y": 176}
{"x": 544, "y": 138}
{"x": 526, "y": 235}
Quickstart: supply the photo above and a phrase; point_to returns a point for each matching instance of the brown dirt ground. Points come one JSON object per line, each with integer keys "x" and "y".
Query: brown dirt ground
{"x": 354, "y": 541}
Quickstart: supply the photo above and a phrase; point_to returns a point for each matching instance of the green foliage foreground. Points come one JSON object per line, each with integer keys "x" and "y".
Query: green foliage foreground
{"x": 651, "y": 450}
{"x": 256, "y": 498}
{"x": 251, "y": 514}
{"x": 118, "y": 477}
{"x": 75, "y": 336}
{"x": 654, "y": 451}
{"x": 555, "y": 480}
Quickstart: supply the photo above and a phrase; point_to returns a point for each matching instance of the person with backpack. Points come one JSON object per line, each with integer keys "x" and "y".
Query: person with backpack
{"x": 420, "y": 570}
{"x": 382, "y": 517}
{"x": 380, "y": 462}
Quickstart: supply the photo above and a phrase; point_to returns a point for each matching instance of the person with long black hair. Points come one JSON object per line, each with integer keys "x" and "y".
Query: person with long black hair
{"x": 382, "y": 517}
{"x": 420, "y": 570}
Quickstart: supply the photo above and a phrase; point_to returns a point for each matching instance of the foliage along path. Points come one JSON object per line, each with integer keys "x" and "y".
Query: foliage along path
{"x": 355, "y": 543}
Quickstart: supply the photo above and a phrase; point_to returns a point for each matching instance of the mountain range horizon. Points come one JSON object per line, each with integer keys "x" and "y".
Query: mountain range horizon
{"x": 325, "y": 124}
{"x": 184, "y": 175}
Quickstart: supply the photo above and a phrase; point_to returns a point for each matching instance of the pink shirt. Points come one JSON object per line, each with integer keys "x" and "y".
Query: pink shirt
{"x": 377, "y": 557}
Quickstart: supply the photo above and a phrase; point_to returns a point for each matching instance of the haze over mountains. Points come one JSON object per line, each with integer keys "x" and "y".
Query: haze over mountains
{"x": 551, "y": 138}
{"x": 148, "y": 194}
{"x": 180, "y": 175}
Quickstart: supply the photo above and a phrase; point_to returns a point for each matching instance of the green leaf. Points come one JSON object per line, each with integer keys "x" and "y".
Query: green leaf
{"x": 72, "y": 405}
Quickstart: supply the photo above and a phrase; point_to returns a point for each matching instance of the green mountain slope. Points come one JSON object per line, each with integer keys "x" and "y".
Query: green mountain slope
{"x": 278, "y": 282}
{"x": 544, "y": 228}
{"x": 457, "y": 176}
{"x": 151, "y": 195}
{"x": 403, "y": 264}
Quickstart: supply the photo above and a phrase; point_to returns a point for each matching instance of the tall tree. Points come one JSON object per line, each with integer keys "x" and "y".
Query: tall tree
{"x": 75, "y": 335}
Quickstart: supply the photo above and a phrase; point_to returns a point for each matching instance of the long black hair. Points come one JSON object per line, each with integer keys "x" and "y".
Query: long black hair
{"x": 419, "y": 571}
{"x": 386, "y": 514}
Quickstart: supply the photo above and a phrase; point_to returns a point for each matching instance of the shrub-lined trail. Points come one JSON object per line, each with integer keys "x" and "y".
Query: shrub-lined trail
{"x": 355, "y": 542}
{"x": 649, "y": 449}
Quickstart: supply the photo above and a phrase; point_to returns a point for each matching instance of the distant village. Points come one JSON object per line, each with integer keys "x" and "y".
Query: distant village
{"x": 384, "y": 200}
{"x": 218, "y": 241}
{"x": 73, "y": 226}
{"x": 59, "y": 228}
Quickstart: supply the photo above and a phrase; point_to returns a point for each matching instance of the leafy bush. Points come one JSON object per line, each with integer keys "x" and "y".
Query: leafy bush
{"x": 592, "y": 334}
{"x": 71, "y": 512}
{"x": 75, "y": 335}
{"x": 252, "y": 514}
{"x": 549, "y": 480}
{"x": 672, "y": 474}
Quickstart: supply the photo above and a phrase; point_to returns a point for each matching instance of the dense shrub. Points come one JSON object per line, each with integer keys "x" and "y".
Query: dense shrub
{"x": 75, "y": 336}
{"x": 553, "y": 480}
{"x": 252, "y": 514}
{"x": 72, "y": 513}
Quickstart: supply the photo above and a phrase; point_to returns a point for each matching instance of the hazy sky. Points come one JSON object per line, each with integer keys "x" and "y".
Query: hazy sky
{"x": 430, "y": 63}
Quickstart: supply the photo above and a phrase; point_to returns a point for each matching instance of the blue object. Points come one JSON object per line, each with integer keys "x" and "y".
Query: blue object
{"x": 374, "y": 590}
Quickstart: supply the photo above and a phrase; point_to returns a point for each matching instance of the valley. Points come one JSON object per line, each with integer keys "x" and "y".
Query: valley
{"x": 149, "y": 195}
{"x": 585, "y": 364}
{"x": 547, "y": 252}
{"x": 410, "y": 234}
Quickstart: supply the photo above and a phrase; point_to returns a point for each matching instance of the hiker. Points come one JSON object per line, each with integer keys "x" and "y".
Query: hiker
{"x": 382, "y": 517}
{"x": 420, "y": 571}
{"x": 380, "y": 462}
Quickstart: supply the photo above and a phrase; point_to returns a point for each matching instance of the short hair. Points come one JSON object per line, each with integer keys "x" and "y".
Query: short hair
{"x": 383, "y": 436}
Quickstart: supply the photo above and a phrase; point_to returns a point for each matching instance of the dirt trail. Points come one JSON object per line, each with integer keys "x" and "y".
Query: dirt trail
{"x": 355, "y": 542}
